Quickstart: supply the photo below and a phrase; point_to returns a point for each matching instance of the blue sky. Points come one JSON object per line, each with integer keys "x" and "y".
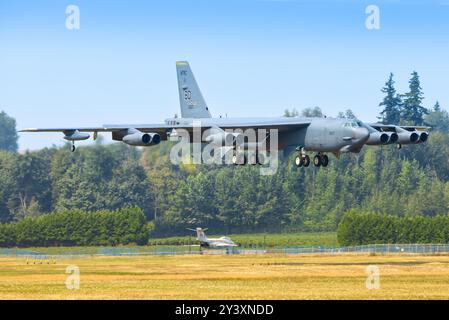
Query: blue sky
{"x": 250, "y": 57}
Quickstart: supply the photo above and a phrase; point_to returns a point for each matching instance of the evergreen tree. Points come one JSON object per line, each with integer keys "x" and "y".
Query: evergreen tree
{"x": 391, "y": 113}
{"x": 8, "y": 134}
{"x": 291, "y": 114}
{"x": 314, "y": 112}
{"x": 412, "y": 109}
{"x": 348, "y": 114}
{"x": 438, "y": 119}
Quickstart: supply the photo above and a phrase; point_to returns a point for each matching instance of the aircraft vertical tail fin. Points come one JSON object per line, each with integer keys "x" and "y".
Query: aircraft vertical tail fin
{"x": 190, "y": 97}
{"x": 201, "y": 235}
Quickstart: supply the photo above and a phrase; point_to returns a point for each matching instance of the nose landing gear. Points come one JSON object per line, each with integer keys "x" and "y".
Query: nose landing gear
{"x": 72, "y": 147}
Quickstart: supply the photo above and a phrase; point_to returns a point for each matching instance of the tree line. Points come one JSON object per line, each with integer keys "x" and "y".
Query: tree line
{"x": 358, "y": 228}
{"x": 77, "y": 228}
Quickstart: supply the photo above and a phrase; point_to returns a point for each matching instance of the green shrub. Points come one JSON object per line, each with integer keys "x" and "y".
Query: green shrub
{"x": 77, "y": 228}
{"x": 359, "y": 228}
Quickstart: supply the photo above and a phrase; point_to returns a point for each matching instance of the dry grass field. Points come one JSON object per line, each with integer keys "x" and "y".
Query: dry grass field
{"x": 228, "y": 277}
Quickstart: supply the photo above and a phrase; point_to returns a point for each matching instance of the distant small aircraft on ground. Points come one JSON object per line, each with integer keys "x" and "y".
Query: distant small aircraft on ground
{"x": 213, "y": 243}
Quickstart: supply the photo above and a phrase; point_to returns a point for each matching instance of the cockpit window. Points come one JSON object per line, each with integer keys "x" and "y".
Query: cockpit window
{"x": 352, "y": 124}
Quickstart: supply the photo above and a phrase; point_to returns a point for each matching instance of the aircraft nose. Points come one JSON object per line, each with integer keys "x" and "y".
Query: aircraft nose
{"x": 360, "y": 134}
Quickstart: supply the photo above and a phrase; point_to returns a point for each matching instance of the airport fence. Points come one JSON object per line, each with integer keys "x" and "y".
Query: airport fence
{"x": 373, "y": 248}
{"x": 195, "y": 250}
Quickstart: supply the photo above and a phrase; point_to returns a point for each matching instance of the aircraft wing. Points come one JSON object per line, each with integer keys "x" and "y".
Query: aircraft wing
{"x": 106, "y": 128}
{"x": 162, "y": 129}
{"x": 390, "y": 127}
{"x": 223, "y": 245}
{"x": 280, "y": 124}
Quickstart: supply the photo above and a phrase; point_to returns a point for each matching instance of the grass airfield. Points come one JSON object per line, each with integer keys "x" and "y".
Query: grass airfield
{"x": 228, "y": 277}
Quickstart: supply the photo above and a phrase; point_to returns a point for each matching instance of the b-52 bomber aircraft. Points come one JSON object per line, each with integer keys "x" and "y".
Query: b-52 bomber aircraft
{"x": 296, "y": 134}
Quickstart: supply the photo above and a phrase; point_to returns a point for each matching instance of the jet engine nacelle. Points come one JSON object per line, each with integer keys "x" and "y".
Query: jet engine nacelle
{"x": 381, "y": 138}
{"x": 75, "y": 135}
{"x": 140, "y": 139}
{"x": 410, "y": 137}
{"x": 423, "y": 136}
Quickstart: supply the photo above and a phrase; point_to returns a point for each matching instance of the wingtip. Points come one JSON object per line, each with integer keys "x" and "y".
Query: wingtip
{"x": 27, "y": 130}
{"x": 182, "y": 63}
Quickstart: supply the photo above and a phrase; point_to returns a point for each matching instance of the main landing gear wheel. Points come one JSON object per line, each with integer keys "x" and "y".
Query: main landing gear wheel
{"x": 238, "y": 159}
{"x": 317, "y": 161}
{"x": 324, "y": 160}
{"x": 234, "y": 159}
{"x": 306, "y": 161}
{"x": 253, "y": 159}
{"x": 260, "y": 158}
{"x": 302, "y": 160}
{"x": 299, "y": 161}
{"x": 321, "y": 160}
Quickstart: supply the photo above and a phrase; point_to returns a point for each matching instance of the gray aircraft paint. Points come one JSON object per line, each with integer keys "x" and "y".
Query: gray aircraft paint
{"x": 311, "y": 134}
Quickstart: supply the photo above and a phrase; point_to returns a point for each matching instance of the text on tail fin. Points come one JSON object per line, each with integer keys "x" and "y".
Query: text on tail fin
{"x": 190, "y": 98}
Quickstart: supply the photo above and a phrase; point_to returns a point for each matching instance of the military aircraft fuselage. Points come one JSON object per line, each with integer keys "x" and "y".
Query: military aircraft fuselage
{"x": 313, "y": 134}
